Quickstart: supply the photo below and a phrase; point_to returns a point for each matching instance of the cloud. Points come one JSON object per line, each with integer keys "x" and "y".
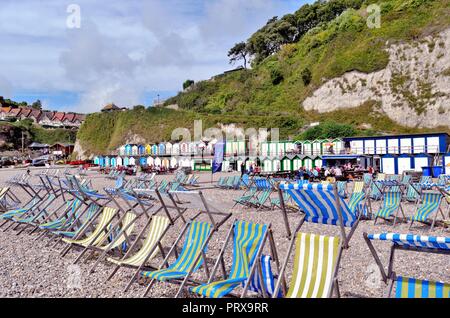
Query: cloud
{"x": 5, "y": 87}
{"x": 123, "y": 49}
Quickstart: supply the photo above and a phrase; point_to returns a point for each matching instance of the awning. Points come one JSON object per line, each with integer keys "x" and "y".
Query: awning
{"x": 343, "y": 157}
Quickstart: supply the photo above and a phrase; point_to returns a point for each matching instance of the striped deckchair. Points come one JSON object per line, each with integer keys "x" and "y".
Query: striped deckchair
{"x": 246, "y": 197}
{"x": 191, "y": 257}
{"x": 264, "y": 282}
{"x": 60, "y": 222}
{"x": 413, "y": 192}
{"x": 220, "y": 182}
{"x": 410, "y": 287}
{"x": 79, "y": 223}
{"x": 316, "y": 265}
{"x": 375, "y": 191}
{"x": 157, "y": 228}
{"x": 381, "y": 177}
{"x": 392, "y": 204}
{"x": 322, "y": 204}
{"x": 416, "y": 288}
{"x": 406, "y": 180}
{"x": 367, "y": 179}
{"x": 9, "y": 214}
{"x": 425, "y": 180}
{"x": 430, "y": 204}
{"x": 358, "y": 187}
{"x": 97, "y": 236}
{"x": 248, "y": 241}
{"x": 260, "y": 200}
{"x": 342, "y": 189}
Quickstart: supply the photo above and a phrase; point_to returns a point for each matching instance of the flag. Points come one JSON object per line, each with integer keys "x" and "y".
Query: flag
{"x": 218, "y": 157}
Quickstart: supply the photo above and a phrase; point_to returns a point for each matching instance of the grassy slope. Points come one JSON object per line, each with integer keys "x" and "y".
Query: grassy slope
{"x": 249, "y": 98}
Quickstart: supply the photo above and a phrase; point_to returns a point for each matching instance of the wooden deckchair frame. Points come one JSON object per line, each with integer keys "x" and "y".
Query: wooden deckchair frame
{"x": 390, "y": 276}
{"x": 439, "y": 210}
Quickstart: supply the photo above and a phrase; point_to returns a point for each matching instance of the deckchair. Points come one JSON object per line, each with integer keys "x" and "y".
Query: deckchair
{"x": 410, "y": 287}
{"x": 246, "y": 197}
{"x": 191, "y": 257}
{"x": 430, "y": 204}
{"x": 425, "y": 179}
{"x": 97, "y": 236}
{"x": 392, "y": 204}
{"x": 157, "y": 228}
{"x": 220, "y": 182}
{"x": 260, "y": 200}
{"x": 342, "y": 189}
{"x": 413, "y": 193}
{"x": 8, "y": 200}
{"x": 11, "y": 213}
{"x": 248, "y": 243}
{"x": 316, "y": 264}
{"x": 406, "y": 180}
{"x": 367, "y": 179}
{"x": 322, "y": 204}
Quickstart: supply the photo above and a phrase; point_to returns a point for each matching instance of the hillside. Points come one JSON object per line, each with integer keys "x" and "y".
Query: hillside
{"x": 394, "y": 79}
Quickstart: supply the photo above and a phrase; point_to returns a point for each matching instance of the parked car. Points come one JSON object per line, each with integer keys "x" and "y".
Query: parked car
{"x": 40, "y": 162}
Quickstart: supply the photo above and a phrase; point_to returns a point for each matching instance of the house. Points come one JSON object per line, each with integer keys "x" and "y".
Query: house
{"x": 46, "y": 118}
{"x": 60, "y": 149}
{"x": 25, "y": 113}
{"x": 68, "y": 120}
{"x": 111, "y": 108}
{"x": 35, "y": 115}
{"x": 57, "y": 120}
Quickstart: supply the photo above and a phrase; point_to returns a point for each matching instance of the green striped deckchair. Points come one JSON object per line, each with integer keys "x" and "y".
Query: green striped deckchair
{"x": 189, "y": 260}
{"x": 163, "y": 186}
{"x": 248, "y": 240}
{"x": 367, "y": 179}
{"x": 220, "y": 182}
{"x": 157, "y": 228}
{"x": 316, "y": 265}
{"x": 16, "y": 212}
{"x": 276, "y": 202}
{"x": 406, "y": 180}
{"x": 261, "y": 199}
{"x": 342, "y": 188}
{"x": 416, "y": 288}
{"x": 61, "y": 222}
{"x": 430, "y": 204}
{"x": 412, "y": 195}
{"x": 229, "y": 183}
{"x": 71, "y": 231}
{"x": 245, "y": 199}
{"x": 392, "y": 204}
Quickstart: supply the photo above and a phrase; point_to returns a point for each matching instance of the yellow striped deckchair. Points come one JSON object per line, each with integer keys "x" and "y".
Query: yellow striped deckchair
{"x": 358, "y": 187}
{"x": 315, "y": 262}
{"x": 416, "y": 288}
{"x": 157, "y": 227}
{"x": 126, "y": 229}
{"x": 96, "y": 237}
{"x": 430, "y": 204}
{"x": 381, "y": 177}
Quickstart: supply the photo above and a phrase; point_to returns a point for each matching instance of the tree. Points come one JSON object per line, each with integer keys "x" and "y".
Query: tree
{"x": 239, "y": 52}
{"x": 37, "y": 105}
{"x": 327, "y": 130}
{"x": 306, "y": 76}
{"x": 188, "y": 83}
{"x": 139, "y": 107}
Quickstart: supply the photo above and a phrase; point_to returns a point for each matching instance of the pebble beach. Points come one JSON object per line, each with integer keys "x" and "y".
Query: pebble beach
{"x": 31, "y": 267}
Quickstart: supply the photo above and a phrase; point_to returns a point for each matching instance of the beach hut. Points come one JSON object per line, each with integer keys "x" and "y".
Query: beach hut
{"x": 135, "y": 150}
{"x": 169, "y": 147}
{"x": 193, "y": 148}
{"x": 158, "y": 162}
{"x": 286, "y": 164}
{"x": 307, "y": 162}
{"x": 122, "y": 150}
{"x": 184, "y": 148}
{"x": 173, "y": 162}
{"x": 389, "y": 164}
{"x": 166, "y": 163}
{"x": 185, "y": 162}
{"x": 422, "y": 160}
{"x": 141, "y": 150}
{"x": 162, "y": 149}
{"x": 119, "y": 161}
{"x": 142, "y": 161}
{"x": 249, "y": 163}
{"x": 307, "y": 147}
{"x": 317, "y": 147}
{"x": 225, "y": 165}
{"x": 101, "y": 161}
{"x": 148, "y": 149}
{"x": 297, "y": 163}
{"x": 96, "y": 160}
{"x": 132, "y": 161}
{"x": 107, "y": 162}
{"x": 150, "y": 161}
{"x": 155, "y": 150}
{"x": 240, "y": 161}
{"x": 126, "y": 161}
{"x": 264, "y": 149}
{"x": 128, "y": 150}
{"x": 318, "y": 162}
{"x": 175, "y": 149}
{"x": 405, "y": 163}
{"x": 447, "y": 164}
{"x": 267, "y": 164}
{"x": 276, "y": 165}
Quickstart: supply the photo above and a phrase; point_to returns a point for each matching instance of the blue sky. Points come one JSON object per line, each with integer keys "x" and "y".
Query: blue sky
{"x": 126, "y": 52}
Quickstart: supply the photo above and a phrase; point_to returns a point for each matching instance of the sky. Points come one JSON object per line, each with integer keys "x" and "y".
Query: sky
{"x": 80, "y": 55}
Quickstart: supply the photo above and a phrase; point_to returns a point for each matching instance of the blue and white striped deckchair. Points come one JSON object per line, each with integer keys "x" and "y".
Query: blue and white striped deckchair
{"x": 342, "y": 189}
{"x": 425, "y": 179}
{"x": 406, "y": 180}
{"x": 367, "y": 178}
{"x": 73, "y": 229}
{"x": 430, "y": 204}
{"x": 392, "y": 204}
{"x": 248, "y": 239}
{"x": 321, "y": 204}
{"x": 189, "y": 260}
{"x": 410, "y": 287}
{"x": 68, "y": 214}
{"x": 268, "y": 279}
{"x": 9, "y": 214}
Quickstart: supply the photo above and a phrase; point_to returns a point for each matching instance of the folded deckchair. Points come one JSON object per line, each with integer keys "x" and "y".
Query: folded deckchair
{"x": 316, "y": 264}
{"x": 430, "y": 204}
{"x": 157, "y": 228}
{"x": 392, "y": 204}
{"x": 410, "y": 287}
{"x": 191, "y": 257}
{"x": 248, "y": 243}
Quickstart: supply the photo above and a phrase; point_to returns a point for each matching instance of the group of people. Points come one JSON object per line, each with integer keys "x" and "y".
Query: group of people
{"x": 338, "y": 172}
